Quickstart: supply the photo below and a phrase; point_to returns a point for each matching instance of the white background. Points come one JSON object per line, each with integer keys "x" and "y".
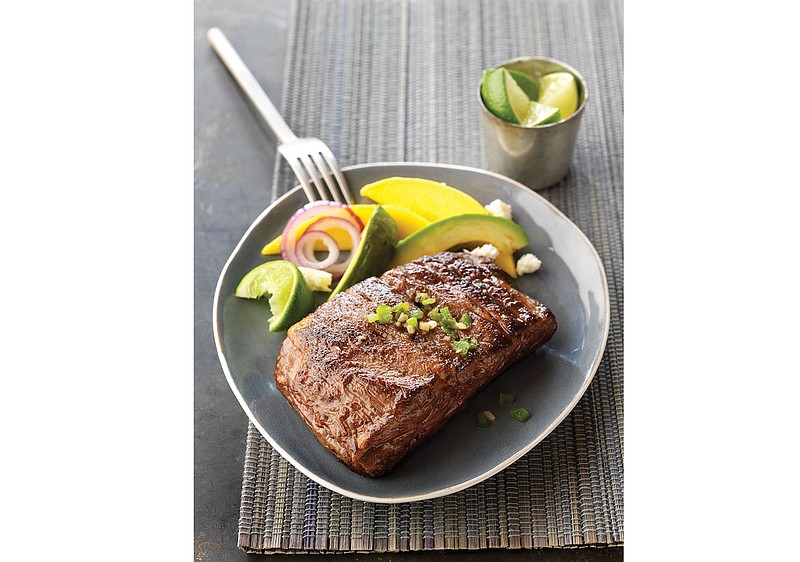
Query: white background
{"x": 96, "y": 178}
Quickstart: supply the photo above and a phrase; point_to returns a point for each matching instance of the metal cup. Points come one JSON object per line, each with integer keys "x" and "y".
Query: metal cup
{"x": 534, "y": 156}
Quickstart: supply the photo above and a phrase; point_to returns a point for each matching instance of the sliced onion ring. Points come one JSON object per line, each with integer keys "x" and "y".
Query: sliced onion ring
{"x": 330, "y": 223}
{"x": 325, "y": 210}
{"x": 305, "y": 249}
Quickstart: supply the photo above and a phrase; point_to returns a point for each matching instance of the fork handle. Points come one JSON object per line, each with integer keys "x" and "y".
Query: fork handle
{"x": 250, "y": 85}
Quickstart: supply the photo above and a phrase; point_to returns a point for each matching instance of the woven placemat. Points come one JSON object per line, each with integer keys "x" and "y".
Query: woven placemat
{"x": 395, "y": 80}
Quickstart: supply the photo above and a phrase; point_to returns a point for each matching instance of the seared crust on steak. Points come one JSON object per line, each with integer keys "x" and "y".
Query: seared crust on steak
{"x": 372, "y": 392}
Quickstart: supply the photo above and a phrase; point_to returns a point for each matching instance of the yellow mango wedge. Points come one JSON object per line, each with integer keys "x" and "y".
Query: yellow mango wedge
{"x": 407, "y": 222}
{"x": 429, "y": 199}
{"x": 506, "y": 262}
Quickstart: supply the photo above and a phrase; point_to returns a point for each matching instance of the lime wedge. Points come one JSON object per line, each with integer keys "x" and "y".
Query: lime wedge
{"x": 517, "y": 98}
{"x": 493, "y": 93}
{"x": 290, "y": 300}
{"x": 560, "y": 89}
{"x": 527, "y": 82}
{"x": 540, "y": 114}
{"x": 503, "y": 96}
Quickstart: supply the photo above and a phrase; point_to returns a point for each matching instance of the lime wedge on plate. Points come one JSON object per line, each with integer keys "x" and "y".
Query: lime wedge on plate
{"x": 560, "y": 89}
{"x": 290, "y": 299}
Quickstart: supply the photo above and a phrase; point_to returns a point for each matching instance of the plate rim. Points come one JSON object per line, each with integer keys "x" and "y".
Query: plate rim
{"x": 464, "y": 484}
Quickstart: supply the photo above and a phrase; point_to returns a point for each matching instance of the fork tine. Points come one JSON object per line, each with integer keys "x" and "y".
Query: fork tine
{"x": 341, "y": 182}
{"x": 327, "y": 175}
{"x": 295, "y": 165}
{"x": 315, "y": 174}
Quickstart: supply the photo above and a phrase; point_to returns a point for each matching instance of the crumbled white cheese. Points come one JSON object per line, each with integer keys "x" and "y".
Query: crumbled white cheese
{"x": 528, "y": 264}
{"x": 486, "y": 251}
{"x": 499, "y": 208}
{"x": 317, "y": 280}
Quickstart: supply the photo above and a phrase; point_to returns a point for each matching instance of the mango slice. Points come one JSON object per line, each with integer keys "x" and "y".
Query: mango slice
{"x": 429, "y": 199}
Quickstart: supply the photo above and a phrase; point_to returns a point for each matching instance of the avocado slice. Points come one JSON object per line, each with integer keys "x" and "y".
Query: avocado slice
{"x": 373, "y": 253}
{"x": 460, "y": 231}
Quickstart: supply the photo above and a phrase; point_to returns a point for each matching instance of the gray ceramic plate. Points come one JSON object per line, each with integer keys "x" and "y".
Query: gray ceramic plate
{"x": 571, "y": 283}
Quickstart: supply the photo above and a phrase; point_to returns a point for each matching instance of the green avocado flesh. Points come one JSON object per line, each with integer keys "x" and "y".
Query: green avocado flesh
{"x": 458, "y": 232}
{"x": 373, "y": 253}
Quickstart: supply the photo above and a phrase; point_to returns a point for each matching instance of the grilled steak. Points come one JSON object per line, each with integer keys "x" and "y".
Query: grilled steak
{"x": 372, "y": 392}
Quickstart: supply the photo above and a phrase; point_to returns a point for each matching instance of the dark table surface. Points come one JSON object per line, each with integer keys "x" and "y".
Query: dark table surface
{"x": 234, "y": 161}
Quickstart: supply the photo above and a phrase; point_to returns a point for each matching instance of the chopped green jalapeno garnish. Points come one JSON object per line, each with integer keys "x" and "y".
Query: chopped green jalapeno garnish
{"x": 382, "y": 315}
{"x": 483, "y": 420}
{"x": 400, "y": 307}
{"x": 449, "y": 323}
{"x": 404, "y": 315}
{"x": 520, "y": 414}
{"x": 506, "y": 399}
{"x": 462, "y": 347}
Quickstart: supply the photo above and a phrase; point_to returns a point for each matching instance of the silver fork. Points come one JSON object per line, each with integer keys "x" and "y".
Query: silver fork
{"x": 311, "y": 160}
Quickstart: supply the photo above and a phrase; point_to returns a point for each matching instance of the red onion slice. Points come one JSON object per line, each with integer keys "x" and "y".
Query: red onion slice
{"x": 326, "y": 224}
{"x": 305, "y": 249}
{"x": 332, "y": 215}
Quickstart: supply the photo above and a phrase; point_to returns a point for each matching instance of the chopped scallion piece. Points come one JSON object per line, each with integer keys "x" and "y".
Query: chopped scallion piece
{"x": 483, "y": 420}
{"x": 520, "y": 414}
{"x": 463, "y": 346}
{"x": 466, "y": 319}
{"x": 384, "y": 314}
{"x": 412, "y": 321}
{"x": 400, "y": 307}
{"x": 421, "y": 297}
{"x": 506, "y": 399}
{"x": 449, "y": 323}
{"x": 418, "y": 314}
